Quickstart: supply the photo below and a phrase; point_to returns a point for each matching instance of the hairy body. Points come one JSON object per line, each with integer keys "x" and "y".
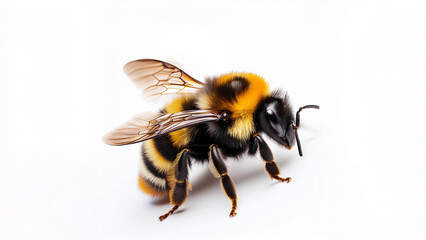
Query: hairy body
{"x": 222, "y": 117}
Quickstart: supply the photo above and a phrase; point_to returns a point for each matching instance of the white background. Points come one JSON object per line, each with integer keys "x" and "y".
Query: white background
{"x": 62, "y": 88}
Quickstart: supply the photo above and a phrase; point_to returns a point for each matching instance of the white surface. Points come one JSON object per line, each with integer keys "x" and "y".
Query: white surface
{"x": 62, "y": 88}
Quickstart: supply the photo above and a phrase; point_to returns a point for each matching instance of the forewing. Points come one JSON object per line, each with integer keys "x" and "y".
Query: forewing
{"x": 139, "y": 128}
{"x": 157, "y": 78}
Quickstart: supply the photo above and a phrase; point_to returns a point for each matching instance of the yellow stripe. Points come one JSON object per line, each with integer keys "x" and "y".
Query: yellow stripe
{"x": 159, "y": 182}
{"x": 176, "y": 105}
{"x": 159, "y": 162}
{"x": 180, "y": 138}
{"x": 242, "y": 128}
{"x": 204, "y": 102}
{"x": 145, "y": 187}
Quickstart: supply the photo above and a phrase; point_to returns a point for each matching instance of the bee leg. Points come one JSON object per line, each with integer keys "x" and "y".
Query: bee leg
{"x": 164, "y": 216}
{"x": 265, "y": 152}
{"x": 218, "y": 168}
{"x": 180, "y": 187}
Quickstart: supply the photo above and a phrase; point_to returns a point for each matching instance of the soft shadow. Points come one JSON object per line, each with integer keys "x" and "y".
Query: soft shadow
{"x": 261, "y": 173}
{"x": 205, "y": 181}
{"x": 180, "y": 210}
{"x": 160, "y": 200}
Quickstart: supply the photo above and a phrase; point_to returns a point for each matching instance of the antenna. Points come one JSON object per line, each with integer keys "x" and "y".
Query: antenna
{"x": 296, "y": 126}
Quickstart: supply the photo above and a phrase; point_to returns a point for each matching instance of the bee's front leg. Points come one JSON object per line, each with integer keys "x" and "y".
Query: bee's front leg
{"x": 218, "y": 168}
{"x": 265, "y": 152}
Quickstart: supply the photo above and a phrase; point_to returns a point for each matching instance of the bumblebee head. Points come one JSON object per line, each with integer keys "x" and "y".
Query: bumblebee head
{"x": 275, "y": 118}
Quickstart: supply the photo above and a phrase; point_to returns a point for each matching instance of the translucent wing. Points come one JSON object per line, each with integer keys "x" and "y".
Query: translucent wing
{"x": 156, "y": 78}
{"x": 145, "y": 126}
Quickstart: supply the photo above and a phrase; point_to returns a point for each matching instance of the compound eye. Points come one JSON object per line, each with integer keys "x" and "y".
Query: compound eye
{"x": 225, "y": 116}
{"x": 275, "y": 122}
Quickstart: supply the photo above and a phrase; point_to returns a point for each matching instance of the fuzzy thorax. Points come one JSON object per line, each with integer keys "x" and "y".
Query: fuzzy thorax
{"x": 247, "y": 89}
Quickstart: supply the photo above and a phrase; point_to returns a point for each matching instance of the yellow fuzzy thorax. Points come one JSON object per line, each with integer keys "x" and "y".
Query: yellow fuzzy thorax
{"x": 243, "y": 108}
{"x": 247, "y": 101}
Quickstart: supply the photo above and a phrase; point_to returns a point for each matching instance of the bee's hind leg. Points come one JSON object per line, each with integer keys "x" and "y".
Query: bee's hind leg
{"x": 265, "y": 152}
{"x": 180, "y": 183}
{"x": 164, "y": 216}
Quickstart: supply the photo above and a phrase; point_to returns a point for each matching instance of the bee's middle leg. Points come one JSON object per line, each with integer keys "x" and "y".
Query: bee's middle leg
{"x": 180, "y": 183}
{"x": 265, "y": 152}
{"x": 218, "y": 168}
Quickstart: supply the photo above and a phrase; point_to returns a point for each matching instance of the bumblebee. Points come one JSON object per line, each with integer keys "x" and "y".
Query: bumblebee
{"x": 206, "y": 122}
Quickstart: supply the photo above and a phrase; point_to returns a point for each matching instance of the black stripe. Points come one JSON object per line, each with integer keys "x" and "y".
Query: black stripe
{"x": 164, "y": 146}
{"x": 189, "y": 104}
{"x": 151, "y": 168}
{"x": 230, "y": 90}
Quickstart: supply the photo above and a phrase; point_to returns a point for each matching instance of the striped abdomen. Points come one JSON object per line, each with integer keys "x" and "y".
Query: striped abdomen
{"x": 157, "y": 160}
{"x": 159, "y": 154}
